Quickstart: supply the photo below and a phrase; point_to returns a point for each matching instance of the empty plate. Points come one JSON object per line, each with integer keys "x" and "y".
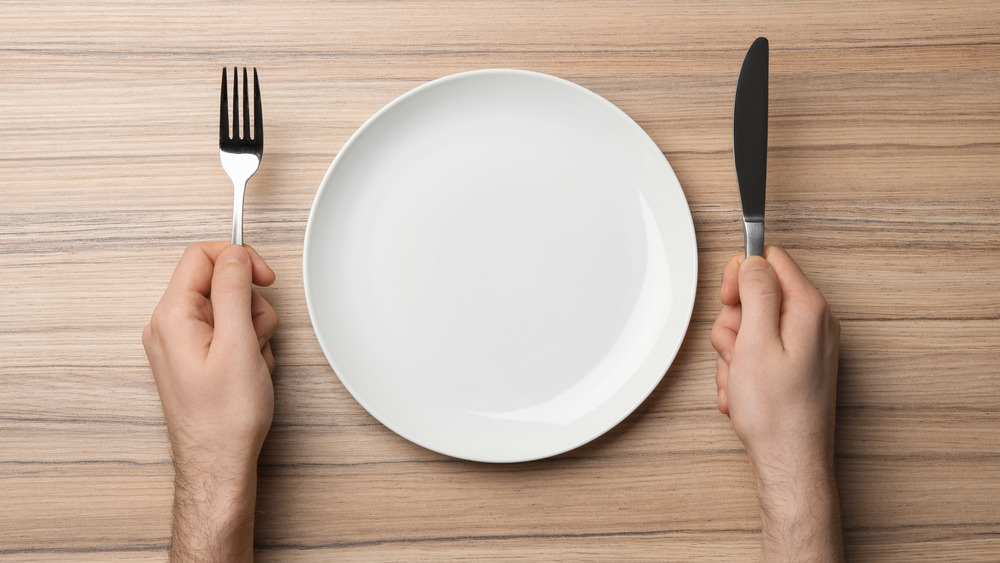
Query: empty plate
{"x": 500, "y": 265}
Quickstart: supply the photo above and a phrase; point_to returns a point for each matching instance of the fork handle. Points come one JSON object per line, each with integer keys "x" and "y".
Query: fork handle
{"x": 238, "y": 191}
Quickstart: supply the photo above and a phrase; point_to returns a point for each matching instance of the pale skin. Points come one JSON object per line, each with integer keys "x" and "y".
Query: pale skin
{"x": 208, "y": 345}
{"x": 778, "y": 345}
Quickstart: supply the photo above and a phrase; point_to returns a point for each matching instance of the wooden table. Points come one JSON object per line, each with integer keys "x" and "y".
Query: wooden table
{"x": 884, "y": 159}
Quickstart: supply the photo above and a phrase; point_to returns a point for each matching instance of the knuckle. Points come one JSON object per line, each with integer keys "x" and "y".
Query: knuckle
{"x": 156, "y": 322}
{"x": 269, "y": 309}
{"x": 147, "y": 336}
{"x": 163, "y": 320}
{"x": 271, "y": 314}
{"x": 819, "y": 307}
{"x": 768, "y": 290}
{"x": 716, "y": 336}
{"x": 192, "y": 248}
{"x": 761, "y": 283}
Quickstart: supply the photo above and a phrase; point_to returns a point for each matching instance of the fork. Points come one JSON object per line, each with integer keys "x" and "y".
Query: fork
{"x": 240, "y": 155}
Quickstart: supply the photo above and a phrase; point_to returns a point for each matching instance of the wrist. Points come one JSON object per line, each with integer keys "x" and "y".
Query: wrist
{"x": 800, "y": 514}
{"x": 214, "y": 457}
{"x": 213, "y": 513}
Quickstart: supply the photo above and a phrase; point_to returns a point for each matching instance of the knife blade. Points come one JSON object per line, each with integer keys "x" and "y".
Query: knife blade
{"x": 750, "y": 143}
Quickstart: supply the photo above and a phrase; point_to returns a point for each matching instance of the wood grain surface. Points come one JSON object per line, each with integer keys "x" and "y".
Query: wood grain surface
{"x": 883, "y": 184}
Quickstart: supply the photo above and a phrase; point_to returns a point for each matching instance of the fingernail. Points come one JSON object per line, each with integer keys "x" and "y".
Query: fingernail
{"x": 755, "y": 263}
{"x": 234, "y": 253}
{"x": 726, "y": 356}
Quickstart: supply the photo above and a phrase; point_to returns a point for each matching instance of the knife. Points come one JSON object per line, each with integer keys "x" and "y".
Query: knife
{"x": 750, "y": 143}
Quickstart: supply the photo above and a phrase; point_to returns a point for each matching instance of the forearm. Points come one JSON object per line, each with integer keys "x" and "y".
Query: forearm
{"x": 213, "y": 514}
{"x": 800, "y": 517}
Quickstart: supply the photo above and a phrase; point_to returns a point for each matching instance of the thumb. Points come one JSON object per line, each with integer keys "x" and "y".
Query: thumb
{"x": 231, "y": 295}
{"x": 760, "y": 296}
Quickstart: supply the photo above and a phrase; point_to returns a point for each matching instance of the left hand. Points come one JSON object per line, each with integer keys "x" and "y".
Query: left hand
{"x": 208, "y": 344}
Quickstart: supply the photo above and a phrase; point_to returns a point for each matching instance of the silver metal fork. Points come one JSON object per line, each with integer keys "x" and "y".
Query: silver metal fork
{"x": 240, "y": 155}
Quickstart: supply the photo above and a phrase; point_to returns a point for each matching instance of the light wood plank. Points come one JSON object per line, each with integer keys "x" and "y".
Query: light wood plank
{"x": 884, "y": 135}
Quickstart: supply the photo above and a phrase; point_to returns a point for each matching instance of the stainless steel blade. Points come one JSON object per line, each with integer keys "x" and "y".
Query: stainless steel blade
{"x": 750, "y": 143}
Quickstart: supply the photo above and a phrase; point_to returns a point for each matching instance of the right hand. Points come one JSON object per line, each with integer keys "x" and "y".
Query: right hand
{"x": 778, "y": 347}
{"x": 778, "y": 344}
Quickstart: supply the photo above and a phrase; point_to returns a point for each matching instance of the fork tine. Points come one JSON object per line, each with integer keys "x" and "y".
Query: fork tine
{"x": 224, "y": 120}
{"x": 236, "y": 104}
{"x": 258, "y": 114}
{"x": 246, "y": 107}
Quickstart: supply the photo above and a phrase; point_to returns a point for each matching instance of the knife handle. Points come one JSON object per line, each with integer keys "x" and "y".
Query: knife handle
{"x": 753, "y": 237}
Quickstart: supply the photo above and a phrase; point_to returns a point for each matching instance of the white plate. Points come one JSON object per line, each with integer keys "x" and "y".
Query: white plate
{"x": 500, "y": 265}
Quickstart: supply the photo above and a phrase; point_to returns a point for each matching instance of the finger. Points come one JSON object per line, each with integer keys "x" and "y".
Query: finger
{"x": 263, "y": 275}
{"x": 760, "y": 300}
{"x": 268, "y": 356}
{"x": 804, "y": 309}
{"x": 265, "y": 319}
{"x": 196, "y": 266}
{"x": 194, "y": 270}
{"x": 794, "y": 284}
{"x": 231, "y": 297}
{"x": 731, "y": 281}
{"x": 722, "y": 385}
{"x": 725, "y": 330}
{"x": 184, "y": 303}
